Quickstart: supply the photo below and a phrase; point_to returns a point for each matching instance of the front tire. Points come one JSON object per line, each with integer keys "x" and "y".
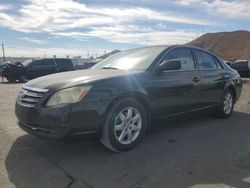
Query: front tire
{"x": 125, "y": 125}
{"x": 225, "y": 108}
{"x": 23, "y": 79}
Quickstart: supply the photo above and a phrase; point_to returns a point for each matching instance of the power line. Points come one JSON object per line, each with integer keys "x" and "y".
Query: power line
{"x": 3, "y": 53}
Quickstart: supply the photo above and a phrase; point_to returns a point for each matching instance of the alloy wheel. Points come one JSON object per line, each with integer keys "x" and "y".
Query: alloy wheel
{"x": 228, "y": 103}
{"x": 127, "y": 125}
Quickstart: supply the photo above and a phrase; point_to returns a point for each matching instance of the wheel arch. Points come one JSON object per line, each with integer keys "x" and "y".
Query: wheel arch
{"x": 232, "y": 88}
{"x": 138, "y": 96}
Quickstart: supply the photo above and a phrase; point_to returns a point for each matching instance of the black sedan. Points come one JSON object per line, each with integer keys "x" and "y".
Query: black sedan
{"x": 119, "y": 96}
{"x": 243, "y": 67}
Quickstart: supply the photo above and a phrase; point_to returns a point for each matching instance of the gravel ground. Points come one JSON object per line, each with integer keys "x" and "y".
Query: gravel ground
{"x": 189, "y": 151}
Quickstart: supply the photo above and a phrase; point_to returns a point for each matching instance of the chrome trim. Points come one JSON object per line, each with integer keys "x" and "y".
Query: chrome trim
{"x": 32, "y": 94}
{"x": 37, "y": 128}
{"x": 29, "y": 100}
{"x": 26, "y": 104}
{"x": 35, "y": 89}
{"x": 180, "y": 70}
{"x": 83, "y": 133}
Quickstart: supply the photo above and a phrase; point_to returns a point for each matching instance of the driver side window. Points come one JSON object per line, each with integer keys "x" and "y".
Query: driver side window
{"x": 185, "y": 57}
{"x": 35, "y": 65}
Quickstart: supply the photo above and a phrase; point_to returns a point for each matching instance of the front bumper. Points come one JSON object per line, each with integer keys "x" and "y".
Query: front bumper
{"x": 58, "y": 122}
{"x": 43, "y": 132}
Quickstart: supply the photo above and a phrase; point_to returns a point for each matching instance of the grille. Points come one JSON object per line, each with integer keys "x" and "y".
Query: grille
{"x": 29, "y": 96}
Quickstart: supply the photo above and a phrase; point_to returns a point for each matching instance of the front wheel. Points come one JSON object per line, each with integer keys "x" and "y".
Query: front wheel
{"x": 23, "y": 79}
{"x": 225, "y": 109}
{"x": 125, "y": 125}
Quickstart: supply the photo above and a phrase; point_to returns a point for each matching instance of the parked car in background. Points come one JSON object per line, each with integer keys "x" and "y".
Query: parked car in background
{"x": 243, "y": 67}
{"x": 1, "y": 69}
{"x": 11, "y": 70}
{"x": 118, "y": 97}
{"x": 89, "y": 65}
{"x": 34, "y": 68}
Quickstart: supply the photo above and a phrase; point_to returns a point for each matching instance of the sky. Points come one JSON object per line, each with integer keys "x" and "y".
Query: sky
{"x": 43, "y": 28}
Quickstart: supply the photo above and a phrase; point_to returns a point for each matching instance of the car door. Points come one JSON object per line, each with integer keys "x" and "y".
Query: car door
{"x": 48, "y": 67}
{"x": 213, "y": 77}
{"x": 33, "y": 70}
{"x": 41, "y": 68}
{"x": 177, "y": 91}
{"x": 64, "y": 65}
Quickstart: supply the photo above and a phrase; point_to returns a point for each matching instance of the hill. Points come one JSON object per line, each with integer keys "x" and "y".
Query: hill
{"x": 228, "y": 45}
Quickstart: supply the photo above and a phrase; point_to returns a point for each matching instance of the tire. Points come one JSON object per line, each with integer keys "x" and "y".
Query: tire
{"x": 10, "y": 79}
{"x": 125, "y": 126}
{"x": 225, "y": 108}
{"x": 23, "y": 79}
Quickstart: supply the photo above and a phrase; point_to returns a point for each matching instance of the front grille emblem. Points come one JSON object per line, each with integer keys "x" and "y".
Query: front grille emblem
{"x": 22, "y": 94}
{"x": 29, "y": 96}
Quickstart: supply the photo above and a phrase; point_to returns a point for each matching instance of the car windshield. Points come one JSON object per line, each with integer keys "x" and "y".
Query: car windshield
{"x": 27, "y": 62}
{"x": 136, "y": 59}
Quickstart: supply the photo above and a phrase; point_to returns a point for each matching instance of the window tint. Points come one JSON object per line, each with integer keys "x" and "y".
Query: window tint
{"x": 37, "y": 63}
{"x": 205, "y": 61}
{"x": 184, "y": 55}
{"x": 219, "y": 63}
{"x": 64, "y": 64}
{"x": 44, "y": 62}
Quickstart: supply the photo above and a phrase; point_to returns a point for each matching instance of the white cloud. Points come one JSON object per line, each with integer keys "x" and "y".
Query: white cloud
{"x": 33, "y": 40}
{"x": 188, "y": 2}
{"x": 67, "y": 17}
{"x": 135, "y": 35}
{"x": 5, "y": 7}
{"x": 20, "y": 51}
{"x": 233, "y": 9}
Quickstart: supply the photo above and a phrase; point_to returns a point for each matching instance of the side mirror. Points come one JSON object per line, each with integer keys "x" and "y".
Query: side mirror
{"x": 174, "y": 64}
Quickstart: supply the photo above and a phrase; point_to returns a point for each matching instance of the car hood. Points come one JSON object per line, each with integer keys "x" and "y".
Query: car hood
{"x": 73, "y": 78}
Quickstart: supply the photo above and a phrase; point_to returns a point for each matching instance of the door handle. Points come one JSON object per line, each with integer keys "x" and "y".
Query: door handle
{"x": 195, "y": 79}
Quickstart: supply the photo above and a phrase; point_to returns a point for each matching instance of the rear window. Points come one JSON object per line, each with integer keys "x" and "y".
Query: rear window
{"x": 205, "y": 60}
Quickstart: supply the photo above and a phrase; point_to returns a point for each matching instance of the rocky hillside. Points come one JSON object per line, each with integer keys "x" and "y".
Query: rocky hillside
{"x": 229, "y": 45}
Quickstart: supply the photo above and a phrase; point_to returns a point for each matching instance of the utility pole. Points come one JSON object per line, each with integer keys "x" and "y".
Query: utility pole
{"x": 3, "y": 53}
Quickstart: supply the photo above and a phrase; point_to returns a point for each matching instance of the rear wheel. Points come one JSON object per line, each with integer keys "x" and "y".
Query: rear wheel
{"x": 125, "y": 125}
{"x": 226, "y": 106}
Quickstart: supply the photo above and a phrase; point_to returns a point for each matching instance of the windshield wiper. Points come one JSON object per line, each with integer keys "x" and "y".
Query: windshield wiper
{"x": 110, "y": 68}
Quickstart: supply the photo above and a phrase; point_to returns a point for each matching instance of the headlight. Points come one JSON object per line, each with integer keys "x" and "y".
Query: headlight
{"x": 68, "y": 96}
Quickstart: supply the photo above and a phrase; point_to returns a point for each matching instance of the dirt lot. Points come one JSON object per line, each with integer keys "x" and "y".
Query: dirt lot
{"x": 194, "y": 151}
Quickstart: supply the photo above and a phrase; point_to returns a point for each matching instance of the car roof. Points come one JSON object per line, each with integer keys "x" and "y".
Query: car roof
{"x": 241, "y": 61}
{"x": 51, "y": 58}
{"x": 178, "y": 45}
